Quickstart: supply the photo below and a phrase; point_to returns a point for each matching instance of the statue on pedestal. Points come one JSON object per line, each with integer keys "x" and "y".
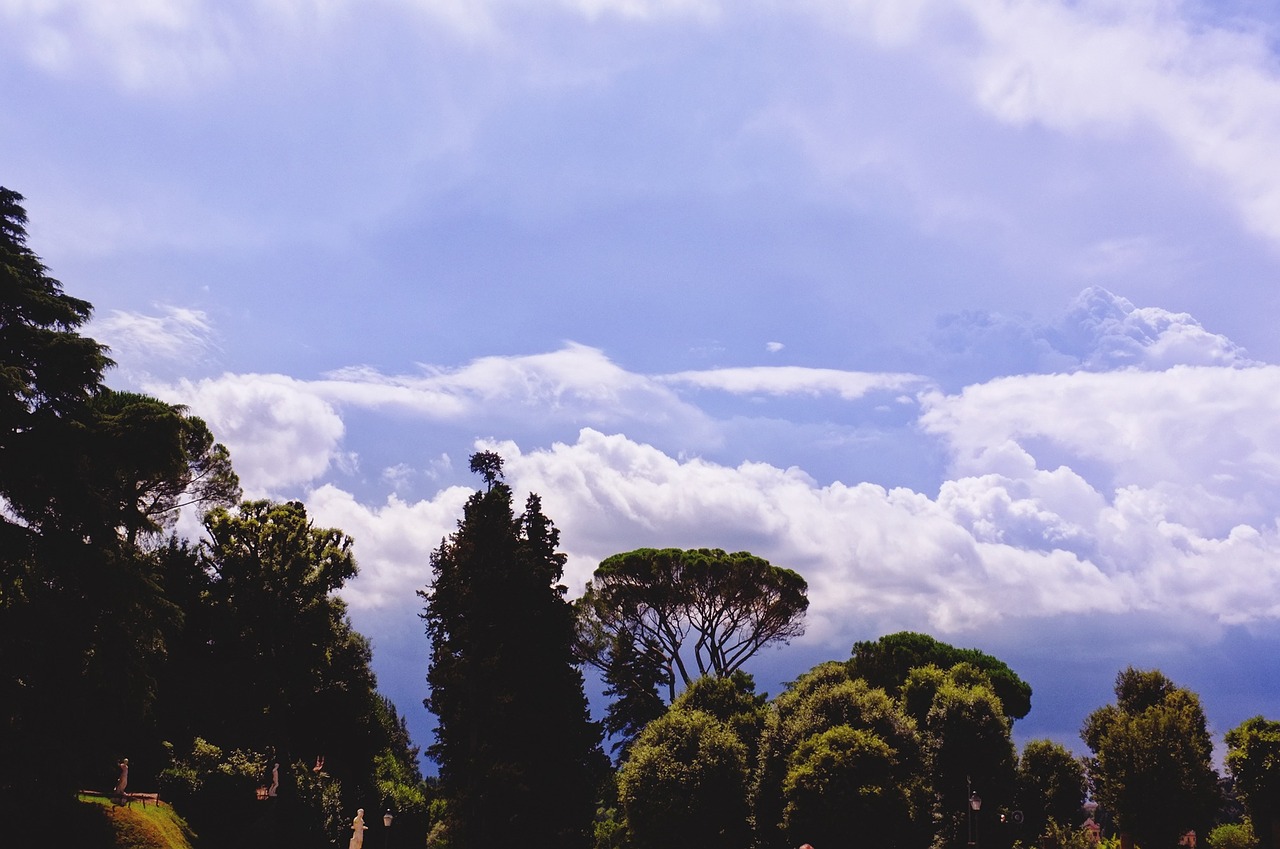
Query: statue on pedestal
{"x": 124, "y": 777}
{"x": 357, "y": 831}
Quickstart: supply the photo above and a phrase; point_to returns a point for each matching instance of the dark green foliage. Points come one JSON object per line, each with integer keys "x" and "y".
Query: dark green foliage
{"x": 110, "y": 640}
{"x": 122, "y": 466}
{"x": 1152, "y": 766}
{"x": 520, "y": 761}
{"x": 733, "y": 700}
{"x": 1253, "y": 758}
{"x": 887, "y": 661}
{"x": 823, "y": 699}
{"x": 213, "y": 789}
{"x": 85, "y": 475}
{"x": 47, "y": 368}
{"x": 633, "y": 677}
{"x": 488, "y": 465}
{"x": 685, "y": 783}
{"x": 842, "y": 783}
{"x": 268, "y": 659}
{"x": 968, "y": 750}
{"x": 705, "y": 611}
{"x": 47, "y": 371}
{"x": 1051, "y": 788}
{"x": 400, "y": 785}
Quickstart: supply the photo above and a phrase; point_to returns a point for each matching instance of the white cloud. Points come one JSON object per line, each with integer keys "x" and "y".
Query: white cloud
{"x": 283, "y": 431}
{"x": 1026, "y": 545}
{"x": 1101, "y": 331}
{"x": 796, "y": 380}
{"x": 393, "y": 541}
{"x": 144, "y": 45}
{"x": 142, "y": 343}
{"x": 1187, "y": 427}
{"x": 575, "y": 382}
{"x": 279, "y": 433}
{"x": 1106, "y": 331}
{"x": 1093, "y": 492}
{"x": 1112, "y": 67}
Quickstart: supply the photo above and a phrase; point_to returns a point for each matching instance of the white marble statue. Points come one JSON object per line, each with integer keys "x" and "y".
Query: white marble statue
{"x": 275, "y": 780}
{"x": 357, "y": 831}
{"x": 124, "y": 777}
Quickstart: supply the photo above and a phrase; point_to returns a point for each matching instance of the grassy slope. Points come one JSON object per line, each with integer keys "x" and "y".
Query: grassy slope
{"x": 101, "y": 825}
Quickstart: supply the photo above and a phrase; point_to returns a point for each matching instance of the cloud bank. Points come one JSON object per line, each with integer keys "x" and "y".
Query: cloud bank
{"x": 1131, "y": 485}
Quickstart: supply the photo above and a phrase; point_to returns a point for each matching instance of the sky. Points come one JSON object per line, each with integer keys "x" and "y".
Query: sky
{"x": 963, "y": 309}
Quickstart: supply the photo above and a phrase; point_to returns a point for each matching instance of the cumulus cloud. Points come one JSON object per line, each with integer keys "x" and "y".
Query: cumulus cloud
{"x": 1096, "y": 491}
{"x": 285, "y": 431}
{"x": 1204, "y": 428}
{"x": 1105, "y": 331}
{"x": 280, "y": 434}
{"x": 1020, "y": 543}
{"x": 393, "y": 540}
{"x": 1101, "y": 331}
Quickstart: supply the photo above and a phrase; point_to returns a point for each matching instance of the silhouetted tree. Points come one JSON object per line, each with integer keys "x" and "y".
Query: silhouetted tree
{"x": 520, "y": 760}
{"x": 706, "y": 611}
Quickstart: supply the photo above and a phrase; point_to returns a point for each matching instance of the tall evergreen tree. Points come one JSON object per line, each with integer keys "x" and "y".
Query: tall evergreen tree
{"x": 520, "y": 760}
{"x": 79, "y": 609}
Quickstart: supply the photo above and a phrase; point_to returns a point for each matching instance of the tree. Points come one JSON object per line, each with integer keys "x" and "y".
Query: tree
{"x": 46, "y": 367}
{"x": 886, "y": 662}
{"x": 632, "y": 677}
{"x": 1152, "y": 764}
{"x": 266, "y": 657}
{"x": 164, "y": 459}
{"x": 685, "y": 783}
{"x": 123, "y": 465}
{"x": 1253, "y": 759}
{"x": 733, "y": 700}
{"x": 82, "y": 612}
{"x": 968, "y": 750}
{"x": 805, "y": 781}
{"x": 707, "y": 612}
{"x": 1051, "y": 788}
{"x": 842, "y": 782}
{"x": 520, "y": 760}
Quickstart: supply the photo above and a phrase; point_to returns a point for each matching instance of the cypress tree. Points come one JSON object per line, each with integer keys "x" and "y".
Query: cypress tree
{"x": 520, "y": 759}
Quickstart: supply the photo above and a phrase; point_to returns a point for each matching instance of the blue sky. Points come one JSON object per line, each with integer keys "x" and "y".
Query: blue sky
{"x": 964, "y": 309}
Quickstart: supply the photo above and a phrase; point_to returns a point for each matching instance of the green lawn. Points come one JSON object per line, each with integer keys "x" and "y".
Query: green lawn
{"x": 102, "y": 825}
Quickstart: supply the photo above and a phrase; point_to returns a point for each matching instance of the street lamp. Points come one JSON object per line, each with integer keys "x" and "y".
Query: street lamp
{"x": 975, "y": 805}
{"x": 386, "y": 829}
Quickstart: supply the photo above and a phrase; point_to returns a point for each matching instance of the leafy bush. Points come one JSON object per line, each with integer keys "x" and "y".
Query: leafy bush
{"x": 1235, "y": 835}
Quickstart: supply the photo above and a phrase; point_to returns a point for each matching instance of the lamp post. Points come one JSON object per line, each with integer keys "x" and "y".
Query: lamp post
{"x": 975, "y": 805}
{"x": 386, "y": 829}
